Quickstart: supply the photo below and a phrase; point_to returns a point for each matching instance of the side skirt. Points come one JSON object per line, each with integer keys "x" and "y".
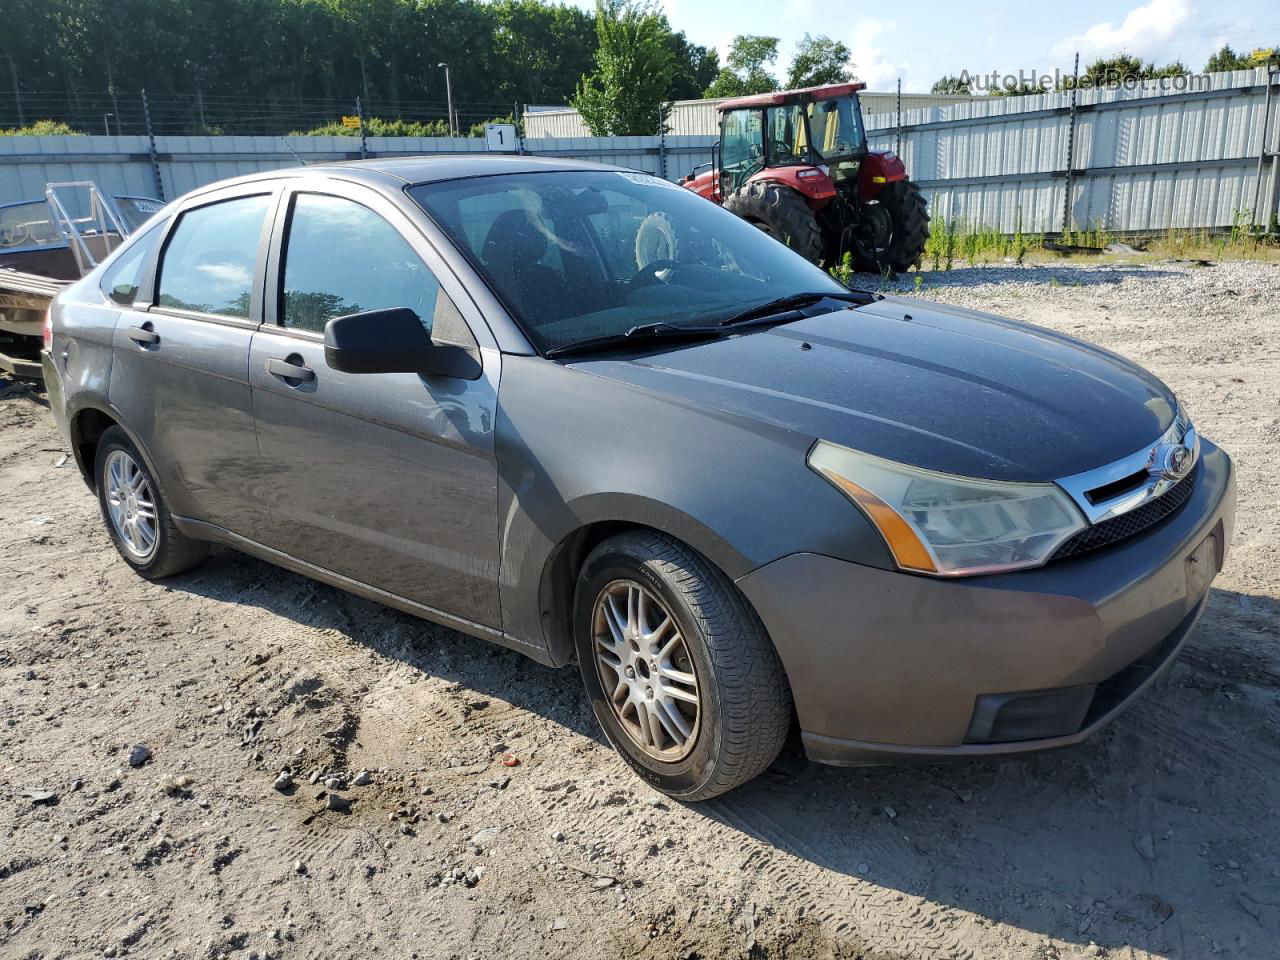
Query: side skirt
{"x": 201, "y": 530}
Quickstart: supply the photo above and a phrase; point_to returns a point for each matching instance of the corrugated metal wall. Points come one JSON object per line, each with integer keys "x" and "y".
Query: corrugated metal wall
{"x": 1144, "y": 159}
{"x": 1151, "y": 158}
{"x": 122, "y": 165}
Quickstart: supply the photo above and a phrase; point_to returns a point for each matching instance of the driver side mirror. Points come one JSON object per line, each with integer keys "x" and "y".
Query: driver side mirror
{"x": 393, "y": 341}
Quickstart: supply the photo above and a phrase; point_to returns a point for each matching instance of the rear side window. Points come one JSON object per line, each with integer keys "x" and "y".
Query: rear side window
{"x": 120, "y": 280}
{"x": 342, "y": 258}
{"x": 209, "y": 261}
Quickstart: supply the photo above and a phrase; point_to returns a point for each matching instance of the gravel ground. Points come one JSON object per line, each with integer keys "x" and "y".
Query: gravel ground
{"x": 144, "y": 728}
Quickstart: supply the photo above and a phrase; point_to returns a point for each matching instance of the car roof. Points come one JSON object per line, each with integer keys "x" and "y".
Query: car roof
{"x": 396, "y": 172}
{"x": 454, "y": 166}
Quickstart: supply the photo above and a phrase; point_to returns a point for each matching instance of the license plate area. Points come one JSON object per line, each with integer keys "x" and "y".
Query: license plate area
{"x": 1203, "y": 564}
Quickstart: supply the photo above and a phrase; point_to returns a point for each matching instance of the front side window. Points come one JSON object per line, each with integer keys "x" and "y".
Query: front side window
{"x": 120, "y": 279}
{"x": 741, "y": 145}
{"x": 208, "y": 263}
{"x": 342, "y": 258}
{"x": 787, "y": 140}
{"x": 585, "y": 254}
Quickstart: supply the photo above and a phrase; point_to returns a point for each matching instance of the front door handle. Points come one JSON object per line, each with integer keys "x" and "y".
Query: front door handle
{"x": 290, "y": 371}
{"x": 144, "y": 336}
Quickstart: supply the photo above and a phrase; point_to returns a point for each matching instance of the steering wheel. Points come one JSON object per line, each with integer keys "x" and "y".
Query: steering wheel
{"x": 648, "y": 274}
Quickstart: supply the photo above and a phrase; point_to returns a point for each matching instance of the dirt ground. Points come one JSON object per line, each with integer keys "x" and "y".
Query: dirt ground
{"x": 1156, "y": 839}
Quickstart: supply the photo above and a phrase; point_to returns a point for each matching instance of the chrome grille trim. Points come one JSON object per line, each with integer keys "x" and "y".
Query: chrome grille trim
{"x": 1151, "y": 460}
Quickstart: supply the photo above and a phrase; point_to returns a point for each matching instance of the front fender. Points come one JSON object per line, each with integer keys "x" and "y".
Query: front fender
{"x": 879, "y": 168}
{"x": 577, "y": 449}
{"x": 816, "y": 187}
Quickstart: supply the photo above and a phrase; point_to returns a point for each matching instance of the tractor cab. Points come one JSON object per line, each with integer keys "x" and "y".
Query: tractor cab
{"x": 799, "y": 133}
{"x": 783, "y": 151}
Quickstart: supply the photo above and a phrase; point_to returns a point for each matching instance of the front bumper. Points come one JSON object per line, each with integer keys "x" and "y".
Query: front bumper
{"x": 887, "y": 667}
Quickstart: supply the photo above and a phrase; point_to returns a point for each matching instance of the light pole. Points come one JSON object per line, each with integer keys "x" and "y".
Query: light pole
{"x": 106, "y": 124}
{"x": 448, "y": 92}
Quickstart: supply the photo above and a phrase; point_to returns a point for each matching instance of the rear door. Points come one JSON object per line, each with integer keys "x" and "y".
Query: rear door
{"x": 389, "y": 479}
{"x": 180, "y": 373}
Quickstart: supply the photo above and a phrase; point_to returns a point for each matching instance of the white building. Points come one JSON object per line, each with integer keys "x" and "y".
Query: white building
{"x": 700, "y": 117}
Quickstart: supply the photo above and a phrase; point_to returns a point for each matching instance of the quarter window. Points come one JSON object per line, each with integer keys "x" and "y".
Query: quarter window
{"x": 209, "y": 261}
{"x": 120, "y": 279}
{"x": 342, "y": 258}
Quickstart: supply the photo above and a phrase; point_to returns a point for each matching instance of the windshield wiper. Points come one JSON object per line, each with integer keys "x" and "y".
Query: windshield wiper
{"x": 647, "y": 332}
{"x": 794, "y": 302}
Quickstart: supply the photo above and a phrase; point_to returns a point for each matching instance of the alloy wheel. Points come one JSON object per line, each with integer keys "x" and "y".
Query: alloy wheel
{"x": 131, "y": 505}
{"x": 645, "y": 670}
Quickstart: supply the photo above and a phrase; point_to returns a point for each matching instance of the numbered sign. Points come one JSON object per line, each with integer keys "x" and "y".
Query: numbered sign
{"x": 501, "y": 137}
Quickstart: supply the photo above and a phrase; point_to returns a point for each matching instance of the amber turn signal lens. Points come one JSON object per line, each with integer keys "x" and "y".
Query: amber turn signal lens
{"x": 908, "y": 552}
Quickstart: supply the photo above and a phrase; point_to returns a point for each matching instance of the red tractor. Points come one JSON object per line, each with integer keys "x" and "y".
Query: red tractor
{"x": 796, "y": 164}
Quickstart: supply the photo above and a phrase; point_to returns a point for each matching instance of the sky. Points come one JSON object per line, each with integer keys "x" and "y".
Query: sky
{"x": 922, "y": 41}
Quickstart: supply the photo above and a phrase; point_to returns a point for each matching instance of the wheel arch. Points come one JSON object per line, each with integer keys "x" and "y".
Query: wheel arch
{"x": 87, "y": 425}
{"x": 564, "y": 562}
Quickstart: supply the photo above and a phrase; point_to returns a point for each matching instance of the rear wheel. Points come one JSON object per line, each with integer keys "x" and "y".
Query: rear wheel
{"x": 681, "y": 674}
{"x": 780, "y": 212}
{"x": 137, "y": 517}
{"x": 893, "y": 231}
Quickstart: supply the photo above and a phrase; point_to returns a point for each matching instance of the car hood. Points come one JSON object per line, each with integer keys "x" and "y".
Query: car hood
{"x": 934, "y": 386}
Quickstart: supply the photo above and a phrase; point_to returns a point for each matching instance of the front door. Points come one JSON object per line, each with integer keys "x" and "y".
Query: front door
{"x": 389, "y": 479}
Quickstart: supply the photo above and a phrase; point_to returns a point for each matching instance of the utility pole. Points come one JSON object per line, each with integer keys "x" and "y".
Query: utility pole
{"x": 151, "y": 146}
{"x": 364, "y": 136}
{"x": 1071, "y": 148}
{"x": 448, "y": 92}
{"x": 897, "y": 143}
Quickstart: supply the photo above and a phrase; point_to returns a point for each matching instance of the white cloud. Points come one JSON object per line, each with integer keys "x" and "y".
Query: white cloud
{"x": 870, "y": 65}
{"x": 1145, "y": 27}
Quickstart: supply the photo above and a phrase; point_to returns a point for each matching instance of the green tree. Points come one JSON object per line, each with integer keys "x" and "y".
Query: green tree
{"x": 1227, "y": 59}
{"x": 1022, "y": 90}
{"x": 633, "y": 69}
{"x": 952, "y": 85}
{"x": 819, "y": 61}
{"x": 746, "y": 69}
{"x": 695, "y": 67}
{"x": 1125, "y": 67}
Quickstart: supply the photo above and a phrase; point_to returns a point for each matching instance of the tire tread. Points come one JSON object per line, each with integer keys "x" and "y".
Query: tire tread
{"x": 754, "y": 695}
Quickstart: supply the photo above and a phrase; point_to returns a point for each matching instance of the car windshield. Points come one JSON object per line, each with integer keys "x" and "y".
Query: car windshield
{"x": 587, "y": 254}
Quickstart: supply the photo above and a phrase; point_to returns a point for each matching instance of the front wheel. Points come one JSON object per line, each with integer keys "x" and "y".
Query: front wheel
{"x": 681, "y": 674}
{"x": 780, "y": 212}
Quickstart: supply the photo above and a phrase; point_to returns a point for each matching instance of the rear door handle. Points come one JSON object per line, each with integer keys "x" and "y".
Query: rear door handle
{"x": 290, "y": 371}
{"x": 143, "y": 336}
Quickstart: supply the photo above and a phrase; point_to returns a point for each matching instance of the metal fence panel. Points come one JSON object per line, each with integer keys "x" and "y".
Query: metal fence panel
{"x": 1151, "y": 158}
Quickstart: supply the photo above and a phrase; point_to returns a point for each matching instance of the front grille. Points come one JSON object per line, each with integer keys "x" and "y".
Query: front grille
{"x": 1128, "y": 524}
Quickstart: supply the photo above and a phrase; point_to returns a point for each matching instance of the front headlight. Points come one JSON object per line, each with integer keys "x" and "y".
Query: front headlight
{"x": 951, "y": 526}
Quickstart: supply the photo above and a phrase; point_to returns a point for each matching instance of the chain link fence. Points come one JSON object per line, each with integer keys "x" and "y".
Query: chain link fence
{"x": 164, "y": 114}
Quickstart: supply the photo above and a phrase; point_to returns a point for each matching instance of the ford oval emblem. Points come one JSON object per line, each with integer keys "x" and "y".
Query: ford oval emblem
{"x": 1176, "y": 461}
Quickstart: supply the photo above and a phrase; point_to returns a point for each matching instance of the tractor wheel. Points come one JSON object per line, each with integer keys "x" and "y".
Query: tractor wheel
{"x": 897, "y": 228}
{"x": 780, "y": 212}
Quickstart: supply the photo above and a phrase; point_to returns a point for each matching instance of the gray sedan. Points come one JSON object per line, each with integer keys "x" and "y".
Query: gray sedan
{"x": 588, "y": 415}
